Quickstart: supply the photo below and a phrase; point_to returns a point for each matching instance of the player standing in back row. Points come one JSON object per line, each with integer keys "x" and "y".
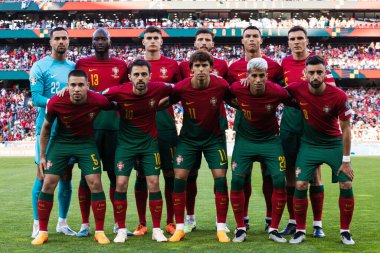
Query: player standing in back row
{"x": 291, "y": 130}
{"x": 47, "y": 77}
{"x": 103, "y": 72}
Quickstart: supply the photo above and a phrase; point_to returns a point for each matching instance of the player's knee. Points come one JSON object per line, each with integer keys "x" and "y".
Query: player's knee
{"x": 49, "y": 185}
{"x": 153, "y": 183}
{"x": 278, "y": 181}
{"x": 95, "y": 185}
{"x": 121, "y": 184}
{"x": 301, "y": 185}
{"x": 237, "y": 182}
{"x": 345, "y": 185}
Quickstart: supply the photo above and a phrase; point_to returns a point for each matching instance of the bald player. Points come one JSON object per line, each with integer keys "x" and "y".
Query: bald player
{"x": 104, "y": 72}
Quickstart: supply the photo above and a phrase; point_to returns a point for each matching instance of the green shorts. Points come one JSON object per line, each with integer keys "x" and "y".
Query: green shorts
{"x": 198, "y": 158}
{"x": 84, "y": 151}
{"x": 270, "y": 153}
{"x": 290, "y": 144}
{"x": 188, "y": 152}
{"x": 167, "y": 142}
{"x": 147, "y": 155}
{"x": 310, "y": 157}
{"x": 106, "y": 143}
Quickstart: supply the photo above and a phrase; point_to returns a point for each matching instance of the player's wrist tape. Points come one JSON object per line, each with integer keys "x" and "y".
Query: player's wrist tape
{"x": 346, "y": 159}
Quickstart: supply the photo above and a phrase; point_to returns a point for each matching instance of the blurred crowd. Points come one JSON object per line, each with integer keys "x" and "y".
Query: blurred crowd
{"x": 338, "y": 56}
{"x": 86, "y": 22}
{"x": 365, "y": 104}
{"x": 17, "y": 115}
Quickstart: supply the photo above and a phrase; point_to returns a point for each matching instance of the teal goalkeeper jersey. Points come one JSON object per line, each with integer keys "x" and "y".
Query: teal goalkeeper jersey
{"x": 47, "y": 77}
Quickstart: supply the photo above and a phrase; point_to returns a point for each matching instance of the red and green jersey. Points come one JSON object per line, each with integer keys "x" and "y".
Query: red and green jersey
{"x": 103, "y": 74}
{"x": 165, "y": 70}
{"x": 137, "y": 112}
{"x": 294, "y": 72}
{"x": 259, "y": 122}
{"x": 75, "y": 121}
{"x": 238, "y": 70}
{"x": 321, "y": 113}
{"x": 202, "y": 108}
{"x": 220, "y": 68}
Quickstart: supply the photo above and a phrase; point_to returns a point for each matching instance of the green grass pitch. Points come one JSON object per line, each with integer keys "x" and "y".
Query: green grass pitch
{"x": 17, "y": 176}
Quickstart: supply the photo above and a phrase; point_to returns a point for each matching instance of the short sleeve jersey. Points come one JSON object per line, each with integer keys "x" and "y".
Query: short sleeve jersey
{"x": 103, "y": 74}
{"x": 137, "y": 112}
{"x": 259, "y": 122}
{"x": 294, "y": 72}
{"x": 75, "y": 121}
{"x": 47, "y": 77}
{"x": 321, "y": 113}
{"x": 202, "y": 114}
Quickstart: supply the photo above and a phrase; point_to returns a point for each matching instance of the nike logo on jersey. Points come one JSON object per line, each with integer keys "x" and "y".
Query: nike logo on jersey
{"x": 222, "y": 163}
{"x": 189, "y": 103}
{"x": 286, "y": 72}
{"x": 52, "y": 76}
{"x": 244, "y": 105}
{"x": 303, "y": 103}
{"x": 95, "y": 168}
{"x": 157, "y": 167}
{"x": 90, "y": 70}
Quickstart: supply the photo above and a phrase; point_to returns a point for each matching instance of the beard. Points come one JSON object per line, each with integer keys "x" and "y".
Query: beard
{"x": 316, "y": 84}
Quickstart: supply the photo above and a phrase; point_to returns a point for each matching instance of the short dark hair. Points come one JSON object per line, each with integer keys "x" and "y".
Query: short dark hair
{"x": 153, "y": 29}
{"x": 251, "y": 27}
{"x": 140, "y": 63}
{"x": 57, "y": 29}
{"x": 200, "y": 56}
{"x": 296, "y": 29}
{"x": 204, "y": 30}
{"x": 315, "y": 60}
{"x": 78, "y": 73}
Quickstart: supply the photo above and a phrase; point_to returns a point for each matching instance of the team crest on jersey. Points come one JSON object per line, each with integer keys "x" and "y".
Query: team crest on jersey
{"x": 115, "y": 71}
{"x": 326, "y": 109}
{"x": 215, "y": 72}
{"x": 304, "y": 78}
{"x": 120, "y": 166}
{"x": 179, "y": 159}
{"x": 91, "y": 114}
{"x": 48, "y": 165}
{"x": 33, "y": 80}
{"x": 213, "y": 101}
{"x": 233, "y": 165}
{"x": 163, "y": 72}
{"x": 151, "y": 103}
{"x": 269, "y": 107}
{"x": 298, "y": 171}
